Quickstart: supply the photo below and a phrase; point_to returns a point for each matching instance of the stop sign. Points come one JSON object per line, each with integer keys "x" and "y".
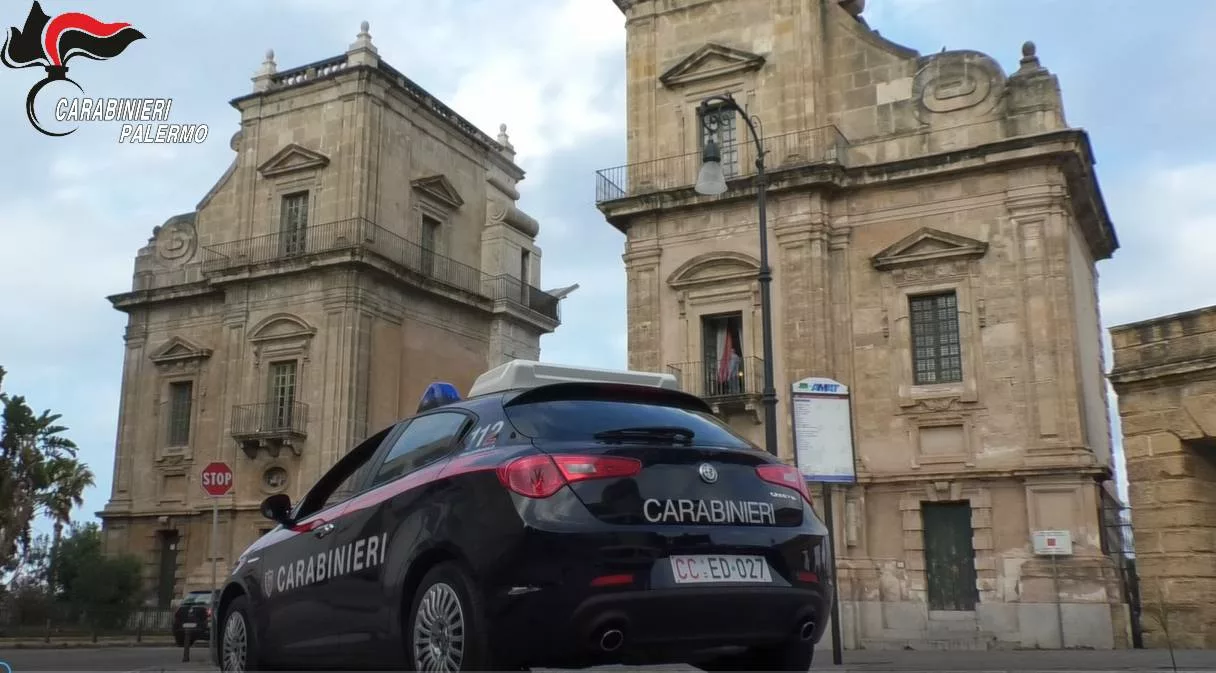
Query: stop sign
{"x": 217, "y": 479}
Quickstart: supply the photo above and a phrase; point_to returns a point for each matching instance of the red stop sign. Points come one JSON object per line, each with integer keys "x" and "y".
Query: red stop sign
{"x": 217, "y": 479}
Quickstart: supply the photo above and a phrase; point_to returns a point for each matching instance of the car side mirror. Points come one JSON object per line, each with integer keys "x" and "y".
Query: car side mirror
{"x": 278, "y": 508}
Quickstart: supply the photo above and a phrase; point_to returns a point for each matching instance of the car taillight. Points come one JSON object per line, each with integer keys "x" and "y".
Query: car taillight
{"x": 542, "y": 476}
{"x": 787, "y": 476}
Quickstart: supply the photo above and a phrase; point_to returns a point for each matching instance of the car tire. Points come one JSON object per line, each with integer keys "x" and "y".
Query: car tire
{"x": 792, "y": 655}
{"x": 456, "y": 627}
{"x": 238, "y": 645}
{"x": 179, "y": 639}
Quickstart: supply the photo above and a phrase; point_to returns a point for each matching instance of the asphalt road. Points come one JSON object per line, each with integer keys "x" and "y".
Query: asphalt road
{"x": 165, "y": 659}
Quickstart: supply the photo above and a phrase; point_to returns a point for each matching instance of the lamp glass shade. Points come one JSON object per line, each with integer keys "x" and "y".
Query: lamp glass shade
{"x": 711, "y": 180}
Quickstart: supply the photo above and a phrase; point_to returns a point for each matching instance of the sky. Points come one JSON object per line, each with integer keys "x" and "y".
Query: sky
{"x": 74, "y": 210}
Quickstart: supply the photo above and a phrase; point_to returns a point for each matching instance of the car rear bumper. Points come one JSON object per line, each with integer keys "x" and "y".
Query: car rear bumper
{"x": 547, "y": 603}
{"x": 653, "y": 626}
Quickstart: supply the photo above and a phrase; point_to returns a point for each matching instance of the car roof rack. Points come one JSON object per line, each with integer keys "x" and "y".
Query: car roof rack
{"x": 526, "y": 374}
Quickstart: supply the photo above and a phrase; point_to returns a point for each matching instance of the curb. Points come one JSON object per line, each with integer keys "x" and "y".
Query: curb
{"x": 88, "y": 643}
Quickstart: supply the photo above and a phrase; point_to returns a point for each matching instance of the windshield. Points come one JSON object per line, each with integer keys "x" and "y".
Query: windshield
{"x": 197, "y": 598}
{"x": 581, "y": 420}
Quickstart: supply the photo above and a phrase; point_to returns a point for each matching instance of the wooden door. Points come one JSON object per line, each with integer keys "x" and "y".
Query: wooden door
{"x": 167, "y": 577}
{"x": 949, "y": 556}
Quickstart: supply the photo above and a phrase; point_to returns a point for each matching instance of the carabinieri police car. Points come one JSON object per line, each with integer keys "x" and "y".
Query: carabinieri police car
{"x": 556, "y": 517}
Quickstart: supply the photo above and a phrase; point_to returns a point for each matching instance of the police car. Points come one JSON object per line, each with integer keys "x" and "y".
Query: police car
{"x": 557, "y": 516}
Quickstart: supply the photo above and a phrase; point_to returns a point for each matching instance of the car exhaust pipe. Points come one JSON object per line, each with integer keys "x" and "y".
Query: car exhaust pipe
{"x": 611, "y": 640}
{"x": 807, "y": 630}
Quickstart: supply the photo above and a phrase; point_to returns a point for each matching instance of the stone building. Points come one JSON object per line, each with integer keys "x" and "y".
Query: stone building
{"x": 364, "y": 242}
{"x": 1165, "y": 377}
{"x": 934, "y": 228}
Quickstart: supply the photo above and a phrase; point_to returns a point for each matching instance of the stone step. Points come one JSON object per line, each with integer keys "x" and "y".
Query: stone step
{"x": 932, "y": 642}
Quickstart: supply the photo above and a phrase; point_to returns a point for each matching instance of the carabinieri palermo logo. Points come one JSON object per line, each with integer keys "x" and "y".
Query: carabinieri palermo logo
{"x": 51, "y": 42}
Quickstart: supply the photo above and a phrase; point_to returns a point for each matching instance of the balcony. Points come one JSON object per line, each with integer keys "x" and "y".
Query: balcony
{"x": 270, "y": 426}
{"x": 360, "y": 236}
{"x": 513, "y": 290}
{"x": 825, "y": 145}
{"x": 723, "y": 388}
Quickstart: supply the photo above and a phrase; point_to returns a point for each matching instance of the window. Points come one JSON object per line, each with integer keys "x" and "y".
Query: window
{"x": 181, "y": 394}
{"x": 723, "y": 129}
{"x": 722, "y": 355}
{"x": 293, "y": 223}
{"x": 345, "y": 478}
{"x": 936, "y": 352}
{"x": 579, "y": 417}
{"x": 282, "y": 395}
{"x": 426, "y": 439}
{"x": 430, "y": 244}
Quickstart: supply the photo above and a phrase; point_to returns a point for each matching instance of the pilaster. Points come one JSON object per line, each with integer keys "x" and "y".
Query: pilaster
{"x": 1040, "y": 227}
{"x": 840, "y": 342}
{"x": 801, "y": 273}
{"x": 643, "y": 308}
{"x": 125, "y": 442}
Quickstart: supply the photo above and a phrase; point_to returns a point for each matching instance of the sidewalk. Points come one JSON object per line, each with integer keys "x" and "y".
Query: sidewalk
{"x": 62, "y": 642}
{"x": 1019, "y": 660}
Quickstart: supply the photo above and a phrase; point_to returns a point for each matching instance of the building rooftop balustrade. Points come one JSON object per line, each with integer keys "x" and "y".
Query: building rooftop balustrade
{"x": 824, "y": 145}
{"x": 363, "y": 236}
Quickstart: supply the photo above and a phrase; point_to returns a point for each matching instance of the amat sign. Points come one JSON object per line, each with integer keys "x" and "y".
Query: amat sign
{"x": 217, "y": 479}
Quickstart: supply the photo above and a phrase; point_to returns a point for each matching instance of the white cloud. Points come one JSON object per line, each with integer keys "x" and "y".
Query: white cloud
{"x": 1166, "y": 221}
{"x": 539, "y": 67}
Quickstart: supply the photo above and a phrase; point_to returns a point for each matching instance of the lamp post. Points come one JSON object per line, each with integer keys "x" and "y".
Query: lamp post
{"x": 711, "y": 180}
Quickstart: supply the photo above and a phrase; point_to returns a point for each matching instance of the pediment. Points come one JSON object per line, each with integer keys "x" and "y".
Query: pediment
{"x": 281, "y": 326}
{"x": 291, "y": 159}
{"x": 178, "y": 349}
{"x": 928, "y": 245}
{"x": 439, "y": 188}
{"x": 709, "y": 62}
{"x": 714, "y": 268}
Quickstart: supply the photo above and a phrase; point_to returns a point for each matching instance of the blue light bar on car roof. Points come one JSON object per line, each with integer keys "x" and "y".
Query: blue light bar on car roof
{"x": 438, "y": 394}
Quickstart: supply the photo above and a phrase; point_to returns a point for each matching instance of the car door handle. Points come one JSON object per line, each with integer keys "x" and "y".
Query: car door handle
{"x": 324, "y": 530}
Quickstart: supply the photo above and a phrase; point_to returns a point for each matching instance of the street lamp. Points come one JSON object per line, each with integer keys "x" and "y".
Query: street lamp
{"x": 711, "y": 181}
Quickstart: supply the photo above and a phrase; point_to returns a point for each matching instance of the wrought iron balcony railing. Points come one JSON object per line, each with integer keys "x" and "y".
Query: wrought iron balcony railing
{"x": 270, "y": 419}
{"x": 360, "y": 235}
{"x": 786, "y": 151}
{"x": 514, "y": 290}
{"x": 714, "y": 378}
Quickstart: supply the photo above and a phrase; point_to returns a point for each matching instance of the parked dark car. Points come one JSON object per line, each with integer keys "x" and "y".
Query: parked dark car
{"x": 193, "y": 616}
{"x": 556, "y": 518}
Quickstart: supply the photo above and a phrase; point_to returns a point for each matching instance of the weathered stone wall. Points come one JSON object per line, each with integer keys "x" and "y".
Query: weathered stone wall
{"x": 891, "y": 175}
{"x": 1165, "y": 376}
{"x": 366, "y": 338}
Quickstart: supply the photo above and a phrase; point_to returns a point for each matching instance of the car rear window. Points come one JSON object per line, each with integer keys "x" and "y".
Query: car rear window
{"x": 576, "y": 420}
{"x": 196, "y": 599}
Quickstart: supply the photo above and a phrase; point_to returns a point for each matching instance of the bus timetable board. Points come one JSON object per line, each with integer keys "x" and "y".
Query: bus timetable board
{"x": 823, "y": 430}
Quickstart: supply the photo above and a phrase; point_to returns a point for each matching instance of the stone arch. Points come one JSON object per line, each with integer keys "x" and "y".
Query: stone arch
{"x": 715, "y": 267}
{"x": 281, "y": 326}
{"x": 281, "y": 335}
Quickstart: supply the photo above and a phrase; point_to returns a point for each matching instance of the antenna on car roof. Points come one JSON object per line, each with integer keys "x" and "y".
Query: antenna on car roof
{"x": 438, "y": 394}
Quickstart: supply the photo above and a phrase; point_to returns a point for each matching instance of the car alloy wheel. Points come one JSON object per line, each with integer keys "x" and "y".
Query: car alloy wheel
{"x": 235, "y": 643}
{"x": 439, "y": 630}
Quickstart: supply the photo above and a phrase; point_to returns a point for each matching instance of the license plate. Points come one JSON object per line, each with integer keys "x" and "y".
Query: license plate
{"x": 189, "y": 625}
{"x": 721, "y": 568}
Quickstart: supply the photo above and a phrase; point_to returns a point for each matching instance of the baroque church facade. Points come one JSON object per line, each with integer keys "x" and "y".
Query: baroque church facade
{"x": 935, "y": 228}
{"x": 364, "y": 242}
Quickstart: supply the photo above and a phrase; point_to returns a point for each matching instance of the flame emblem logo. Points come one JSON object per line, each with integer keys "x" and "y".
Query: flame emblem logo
{"x": 50, "y": 42}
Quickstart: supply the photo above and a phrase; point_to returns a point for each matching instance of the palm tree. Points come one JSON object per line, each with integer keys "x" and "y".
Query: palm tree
{"x": 67, "y": 480}
{"x": 28, "y": 443}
